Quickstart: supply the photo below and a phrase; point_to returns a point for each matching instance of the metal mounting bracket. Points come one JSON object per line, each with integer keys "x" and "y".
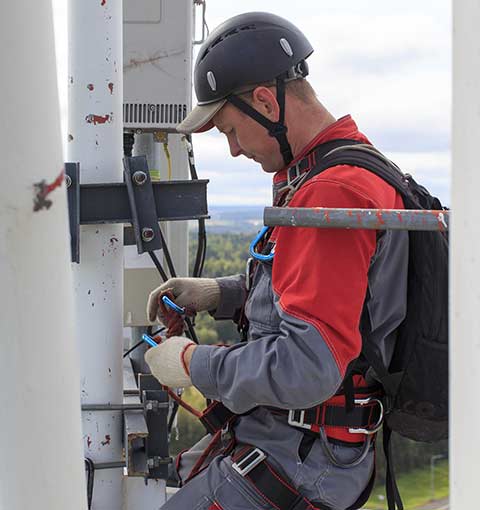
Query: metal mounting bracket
{"x": 138, "y": 202}
{"x": 156, "y": 444}
{"x": 142, "y": 204}
{"x": 72, "y": 179}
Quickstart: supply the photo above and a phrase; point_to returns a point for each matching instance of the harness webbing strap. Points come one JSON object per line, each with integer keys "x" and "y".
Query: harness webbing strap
{"x": 394, "y": 499}
{"x": 277, "y": 130}
{"x": 277, "y": 490}
{"x": 270, "y": 484}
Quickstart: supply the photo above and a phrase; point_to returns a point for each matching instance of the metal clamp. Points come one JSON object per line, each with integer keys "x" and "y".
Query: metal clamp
{"x": 378, "y": 425}
{"x": 156, "y": 461}
{"x": 251, "y": 461}
{"x": 300, "y": 422}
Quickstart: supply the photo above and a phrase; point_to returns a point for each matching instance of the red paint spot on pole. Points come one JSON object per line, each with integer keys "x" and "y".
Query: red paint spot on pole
{"x": 103, "y": 2}
{"x": 380, "y": 218}
{"x": 400, "y": 217}
{"x": 107, "y": 440}
{"x": 90, "y": 86}
{"x": 98, "y": 119}
{"x": 89, "y": 442}
{"x": 110, "y": 87}
{"x": 42, "y": 190}
{"x": 327, "y": 216}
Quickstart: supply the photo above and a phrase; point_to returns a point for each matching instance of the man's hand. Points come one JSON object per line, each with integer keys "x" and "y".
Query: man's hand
{"x": 170, "y": 361}
{"x": 195, "y": 294}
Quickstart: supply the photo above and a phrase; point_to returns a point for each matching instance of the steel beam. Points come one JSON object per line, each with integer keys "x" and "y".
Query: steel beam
{"x": 370, "y": 219}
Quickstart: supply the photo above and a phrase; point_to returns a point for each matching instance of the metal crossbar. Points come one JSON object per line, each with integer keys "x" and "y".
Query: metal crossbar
{"x": 370, "y": 219}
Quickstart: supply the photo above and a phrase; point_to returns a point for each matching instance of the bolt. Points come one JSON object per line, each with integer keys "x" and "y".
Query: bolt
{"x": 139, "y": 178}
{"x": 151, "y": 405}
{"x": 147, "y": 234}
{"x": 68, "y": 181}
{"x": 152, "y": 107}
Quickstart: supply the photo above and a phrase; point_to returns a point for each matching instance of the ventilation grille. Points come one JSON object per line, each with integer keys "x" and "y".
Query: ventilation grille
{"x": 153, "y": 114}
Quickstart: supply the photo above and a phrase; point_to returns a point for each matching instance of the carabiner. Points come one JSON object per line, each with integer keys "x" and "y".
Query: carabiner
{"x": 168, "y": 302}
{"x": 150, "y": 341}
{"x": 254, "y": 243}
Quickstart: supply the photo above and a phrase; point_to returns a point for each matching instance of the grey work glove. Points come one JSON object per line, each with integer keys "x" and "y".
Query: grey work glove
{"x": 195, "y": 294}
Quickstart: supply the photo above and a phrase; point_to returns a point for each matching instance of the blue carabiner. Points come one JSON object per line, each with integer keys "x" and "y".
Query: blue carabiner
{"x": 253, "y": 245}
{"x": 168, "y": 302}
{"x": 150, "y": 341}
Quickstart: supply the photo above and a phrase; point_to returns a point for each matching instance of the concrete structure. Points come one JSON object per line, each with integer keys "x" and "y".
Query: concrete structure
{"x": 465, "y": 259}
{"x": 95, "y": 134}
{"x": 40, "y": 440}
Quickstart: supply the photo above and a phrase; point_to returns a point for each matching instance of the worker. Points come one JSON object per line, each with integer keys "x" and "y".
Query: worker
{"x": 296, "y": 433}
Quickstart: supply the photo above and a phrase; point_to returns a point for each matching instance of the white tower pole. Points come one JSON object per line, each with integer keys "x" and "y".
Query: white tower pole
{"x": 95, "y": 137}
{"x": 40, "y": 439}
{"x": 465, "y": 259}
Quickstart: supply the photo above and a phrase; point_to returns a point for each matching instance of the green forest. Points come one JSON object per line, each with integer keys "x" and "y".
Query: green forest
{"x": 227, "y": 255}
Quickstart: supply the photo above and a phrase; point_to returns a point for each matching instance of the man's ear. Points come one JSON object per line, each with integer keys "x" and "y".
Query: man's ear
{"x": 265, "y": 101}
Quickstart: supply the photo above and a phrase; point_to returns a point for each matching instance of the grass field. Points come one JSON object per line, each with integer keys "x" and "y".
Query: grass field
{"x": 415, "y": 488}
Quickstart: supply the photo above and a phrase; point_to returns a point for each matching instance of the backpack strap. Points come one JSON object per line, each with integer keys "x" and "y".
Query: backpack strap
{"x": 367, "y": 157}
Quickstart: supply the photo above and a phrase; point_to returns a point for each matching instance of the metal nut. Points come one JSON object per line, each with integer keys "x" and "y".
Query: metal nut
{"x": 139, "y": 178}
{"x": 147, "y": 234}
{"x": 68, "y": 181}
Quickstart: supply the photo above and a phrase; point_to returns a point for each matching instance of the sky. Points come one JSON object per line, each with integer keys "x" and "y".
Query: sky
{"x": 386, "y": 63}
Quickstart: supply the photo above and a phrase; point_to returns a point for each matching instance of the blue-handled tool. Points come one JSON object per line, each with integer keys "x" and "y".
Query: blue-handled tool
{"x": 150, "y": 341}
{"x": 168, "y": 302}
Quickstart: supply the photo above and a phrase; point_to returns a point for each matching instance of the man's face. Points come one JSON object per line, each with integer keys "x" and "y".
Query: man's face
{"x": 247, "y": 137}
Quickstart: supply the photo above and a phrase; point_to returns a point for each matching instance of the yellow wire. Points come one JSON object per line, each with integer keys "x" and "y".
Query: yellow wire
{"x": 169, "y": 160}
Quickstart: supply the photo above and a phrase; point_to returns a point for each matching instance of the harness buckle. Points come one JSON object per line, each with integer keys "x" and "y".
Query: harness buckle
{"x": 293, "y": 173}
{"x": 249, "y": 462}
{"x": 301, "y": 419}
{"x": 378, "y": 425}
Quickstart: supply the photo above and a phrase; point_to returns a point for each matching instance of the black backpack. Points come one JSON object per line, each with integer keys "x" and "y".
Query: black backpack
{"x": 416, "y": 382}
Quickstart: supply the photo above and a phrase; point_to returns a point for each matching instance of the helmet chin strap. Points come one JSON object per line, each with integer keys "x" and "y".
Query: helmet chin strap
{"x": 277, "y": 130}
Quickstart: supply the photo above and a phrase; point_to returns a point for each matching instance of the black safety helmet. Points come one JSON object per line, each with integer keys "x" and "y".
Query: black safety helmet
{"x": 246, "y": 50}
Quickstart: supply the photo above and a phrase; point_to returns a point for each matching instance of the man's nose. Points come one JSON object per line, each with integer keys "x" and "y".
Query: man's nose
{"x": 235, "y": 149}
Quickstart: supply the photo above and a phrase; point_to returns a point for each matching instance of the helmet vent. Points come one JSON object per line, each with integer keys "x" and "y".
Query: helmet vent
{"x": 225, "y": 36}
{"x": 212, "y": 81}
{"x": 286, "y": 47}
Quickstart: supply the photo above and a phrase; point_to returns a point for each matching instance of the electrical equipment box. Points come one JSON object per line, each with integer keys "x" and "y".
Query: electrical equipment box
{"x": 158, "y": 38}
{"x": 157, "y": 61}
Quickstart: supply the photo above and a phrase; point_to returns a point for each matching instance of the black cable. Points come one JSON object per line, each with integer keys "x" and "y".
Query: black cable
{"x": 90, "y": 469}
{"x": 159, "y": 267}
{"x": 202, "y": 233}
{"x": 138, "y": 344}
{"x": 168, "y": 258}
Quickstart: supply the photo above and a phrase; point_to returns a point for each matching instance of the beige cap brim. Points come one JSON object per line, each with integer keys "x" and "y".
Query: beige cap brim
{"x": 200, "y": 118}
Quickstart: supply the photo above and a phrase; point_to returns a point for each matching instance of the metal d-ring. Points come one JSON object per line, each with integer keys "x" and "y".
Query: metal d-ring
{"x": 333, "y": 459}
